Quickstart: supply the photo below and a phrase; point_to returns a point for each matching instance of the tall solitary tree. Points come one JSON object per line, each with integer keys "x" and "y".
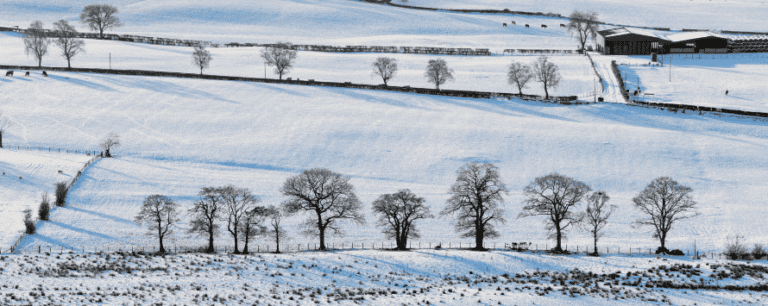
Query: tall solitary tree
{"x": 438, "y": 73}
{"x": 206, "y": 211}
{"x": 201, "y": 58}
{"x": 519, "y": 74}
{"x": 67, "y": 40}
{"x": 327, "y": 196}
{"x": 280, "y": 56}
{"x": 554, "y": 196}
{"x": 596, "y": 216}
{"x": 583, "y": 26}
{"x": 397, "y": 214}
{"x": 36, "y": 41}
{"x": 159, "y": 212}
{"x": 385, "y": 67}
{"x": 665, "y": 202}
{"x": 475, "y": 202}
{"x": 5, "y": 123}
{"x": 112, "y": 140}
{"x": 237, "y": 203}
{"x": 100, "y": 17}
{"x": 276, "y": 231}
{"x": 546, "y": 73}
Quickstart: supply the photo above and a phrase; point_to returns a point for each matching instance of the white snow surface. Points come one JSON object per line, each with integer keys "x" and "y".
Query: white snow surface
{"x": 734, "y": 15}
{"x": 179, "y": 135}
{"x": 25, "y": 176}
{"x": 701, "y": 80}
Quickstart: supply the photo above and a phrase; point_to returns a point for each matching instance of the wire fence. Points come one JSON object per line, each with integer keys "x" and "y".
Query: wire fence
{"x": 351, "y": 246}
{"x": 25, "y": 147}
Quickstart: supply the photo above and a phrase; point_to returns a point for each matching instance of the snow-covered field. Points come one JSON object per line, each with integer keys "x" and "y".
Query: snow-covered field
{"x": 329, "y": 22}
{"x": 702, "y": 80}
{"x": 180, "y": 135}
{"x": 735, "y": 15}
{"x": 377, "y": 278}
{"x": 25, "y": 176}
{"x": 477, "y": 73}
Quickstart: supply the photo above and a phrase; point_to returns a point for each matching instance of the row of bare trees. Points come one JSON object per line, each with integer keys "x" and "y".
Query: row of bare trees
{"x": 328, "y": 200}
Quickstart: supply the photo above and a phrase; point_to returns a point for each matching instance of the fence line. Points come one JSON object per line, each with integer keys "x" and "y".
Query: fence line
{"x": 69, "y": 185}
{"x": 617, "y": 73}
{"x": 351, "y": 246}
{"x": 19, "y": 147}
{"x": 594, "y": 69}
{"x": 311, "y": 82}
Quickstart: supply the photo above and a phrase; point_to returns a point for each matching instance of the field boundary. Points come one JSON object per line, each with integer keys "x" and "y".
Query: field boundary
{"x": 69, "y": 186}
{"x": 566, "y": 100}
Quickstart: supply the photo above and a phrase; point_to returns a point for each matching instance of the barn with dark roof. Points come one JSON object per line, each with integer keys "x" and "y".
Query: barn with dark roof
{"x": 696, "y": 42}
{"x": 629, "y": 41}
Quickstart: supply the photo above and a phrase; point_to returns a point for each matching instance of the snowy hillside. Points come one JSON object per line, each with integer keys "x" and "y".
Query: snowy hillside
{"x": 186, "y": 134}
{"x": 334, "y": 22}
{"x": 25, "y": 176}
{"x": 734, "y": 15}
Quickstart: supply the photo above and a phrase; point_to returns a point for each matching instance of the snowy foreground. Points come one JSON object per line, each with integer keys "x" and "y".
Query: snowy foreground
{"x": 377, "y": 278}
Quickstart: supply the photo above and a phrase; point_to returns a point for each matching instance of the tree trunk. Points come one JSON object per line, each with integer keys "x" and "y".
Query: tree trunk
{"x": 437, "y": 85}
{"x": 558, "y": 247}
{"x": 662, "y": 239}
{"x": 234, "y": 235}
{"x": 546, "y": 96}
{"x": 1, "y": 139}
{"x": 69, "y": 65}
{"x": 479, "y": 235}
{"x": 201, "y": 70}
{"x": 595, "y": 235}
{"x": 210, "y": 241}
{"x": 162, "y": 249}
{"x": 245, "y": 248}
{"x": 277, "y": 240}
{"x": 401, "y": 243}
{"x": 385, "y": 82}
{"x": 39, "y": 62}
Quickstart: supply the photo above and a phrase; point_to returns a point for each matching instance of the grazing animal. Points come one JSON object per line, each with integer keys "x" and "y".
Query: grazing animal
{"x": 505, "y": 25}
{"x": 562, "y": 25}
{"x": 9, "y": 73}
{"x": 726, "y": 92}
{"x": 544, "y": 26}
{"x": 513, "y": 22}
{"x": 45, "y": 74}
{"x": 26, "y": 74}
{"x": 527, "y": 26}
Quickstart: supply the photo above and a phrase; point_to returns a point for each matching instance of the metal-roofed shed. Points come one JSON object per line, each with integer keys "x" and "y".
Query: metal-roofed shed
{"x": 696, "y": 42}
{"x": 629, "y": 41}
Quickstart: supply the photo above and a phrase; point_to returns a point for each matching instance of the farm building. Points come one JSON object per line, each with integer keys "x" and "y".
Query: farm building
{"x": 628, "y": 41}
{"x": 696, "y": 42}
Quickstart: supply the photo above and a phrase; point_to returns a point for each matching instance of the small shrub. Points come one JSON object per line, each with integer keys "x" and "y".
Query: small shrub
{"x": 45, "y": 208}
{"x": 677, "y": 253}
{"x": 735, "y": 248}
{"x": 29, "y": 224}
{"x": 61, "y": 194}
{"x": 758, "y": 252}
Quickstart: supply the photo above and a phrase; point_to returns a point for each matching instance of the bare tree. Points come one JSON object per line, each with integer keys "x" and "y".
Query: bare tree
{"x": 519, "y": 74}
{"x": 596, "y": 216}
{"x": 237, "y": 203}
{"x": 100, "y": 17}
{"x": 206, "y": 211}
{"x": 36, "y": 41}
{"x": 476, "y": 201}
{"x": 276, "y": 231}
{"x": 665, "y": 202}
{"x": 281, "y": 56}
{"x": 253, "y": 225}
{"x": 201, "y": 58}
{"x": 30, "y": 227}
{"x": 112, "y": 140}
{"x": 159, "y": 212}
{"x": 583, "y": 26}
{"x": 397, "y": 214}
{"x": 554, "y": 196}
{"x": 546, "y": 73}
{"x": 438, "y": 72}
{"x": 67, "y": 40}
{"x": 44, "y": 210}
{"x": 327, "y": 195}
{"x": 385, "y": 67}
{"x": 5, "y": 123}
